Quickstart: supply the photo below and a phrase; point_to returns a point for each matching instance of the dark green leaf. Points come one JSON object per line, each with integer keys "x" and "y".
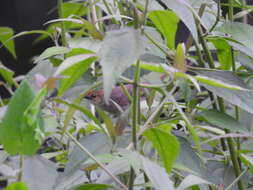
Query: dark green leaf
{"x": 221, "y": 120}
{"x": 120, "y": 49}
{"x": 166, "y": 145}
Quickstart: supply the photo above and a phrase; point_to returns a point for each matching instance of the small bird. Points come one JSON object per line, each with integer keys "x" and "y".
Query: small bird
{"x": 118, "y": 101}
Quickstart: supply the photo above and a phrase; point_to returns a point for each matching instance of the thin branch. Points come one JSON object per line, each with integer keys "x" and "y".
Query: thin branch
{"x": 97, "y": 161}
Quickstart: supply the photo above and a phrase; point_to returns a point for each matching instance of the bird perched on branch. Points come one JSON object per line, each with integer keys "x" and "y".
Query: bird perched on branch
{"x": 118, "y": 101}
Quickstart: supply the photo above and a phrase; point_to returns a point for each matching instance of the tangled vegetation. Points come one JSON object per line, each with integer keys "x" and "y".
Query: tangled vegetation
{"x": 116, "y": 103}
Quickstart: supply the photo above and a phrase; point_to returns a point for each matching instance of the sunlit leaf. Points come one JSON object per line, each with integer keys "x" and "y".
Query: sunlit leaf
{"x": 51, "y": 51}
{"x": 6, "y": 34}
{"x": 17, "y": 186}
{"x": 159, "y": 139}
{"x": 21, "y": 129}
{"x": 72, "y": 69}
{"x": 184, "y": 13}
{"x": 224, "y": 53}
{"x": 166, "y": 22}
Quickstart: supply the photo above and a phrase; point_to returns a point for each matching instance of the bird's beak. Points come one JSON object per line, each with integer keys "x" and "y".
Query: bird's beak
{"x": 88, "y": 97}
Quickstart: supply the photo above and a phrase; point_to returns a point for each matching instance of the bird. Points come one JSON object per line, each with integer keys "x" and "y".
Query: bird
{"x": 118, "y": 101}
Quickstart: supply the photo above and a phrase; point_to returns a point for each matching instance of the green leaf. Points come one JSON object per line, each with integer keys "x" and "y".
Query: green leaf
{"x": 52, "y": 51}
{"x": 183, "y": 11}
{"x": 38, "y": 167}
{"x": 224, "y": 53}
{"x": 241, "y": 98}
{"x": 247, "y": 160}
{"x": 97, "y": 144}
{"x": 157, "y": 175}
{"x": 221, "y": 120}
{"x": 166, "y": 22}
{"x": 121, "y": 165}
{"x": 20, "y": 131}
{"x": 120, "y": 49}
{"x": 179, "y": 59}
{"x": 92, "y": 30}
{"x": 191, "y": 180}
{"x": 7, "y": 74}
{"x": 72, "y": 69}
{"x": 152, "y": 67}
{"x": 238, "y": 31}
{"x": 218, "y": 82}
{"x": 6, "y": 34}
{"x": 69, "y": 9}
{"x": 17, "y": 186}
{"x": 108, "y": 124}
{"x": 93, "y": 187}
{"x": 245, "y": 61}
{"x": 159, "y": 139}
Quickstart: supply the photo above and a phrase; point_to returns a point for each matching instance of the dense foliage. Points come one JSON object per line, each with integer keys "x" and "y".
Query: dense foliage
{"x": 118, "y": 104}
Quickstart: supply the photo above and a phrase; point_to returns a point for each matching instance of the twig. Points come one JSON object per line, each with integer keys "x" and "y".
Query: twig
{"x": 97, "y": 161}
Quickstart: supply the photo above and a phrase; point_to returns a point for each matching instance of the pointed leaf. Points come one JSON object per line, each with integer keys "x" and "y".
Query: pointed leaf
{"x": 72, "y": 69}
{"x": 180, "y": 7}
{"x": 96, "y": 143}
{"x": 241, "y": 98}
{"x": 39, "y": 173}
{"x": 21, "y": 128}
{"x": 238, "y": 31}
{"x": 159, "y": 139}
{"x": 120, "y": 49}
{"x": 157, "y": 175}
{"x": 179, "y": 60}
{"x": 51, "y": 51}
{"x": 166, "y": 22}
{"x": 6, "y": 34}
{"x": 224, "y": 53}
{"x": 191, "y": 180}
{"x": 7, "y": 74}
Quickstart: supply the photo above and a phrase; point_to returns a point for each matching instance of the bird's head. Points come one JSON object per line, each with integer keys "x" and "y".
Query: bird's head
{"x": 95, "y": 96}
